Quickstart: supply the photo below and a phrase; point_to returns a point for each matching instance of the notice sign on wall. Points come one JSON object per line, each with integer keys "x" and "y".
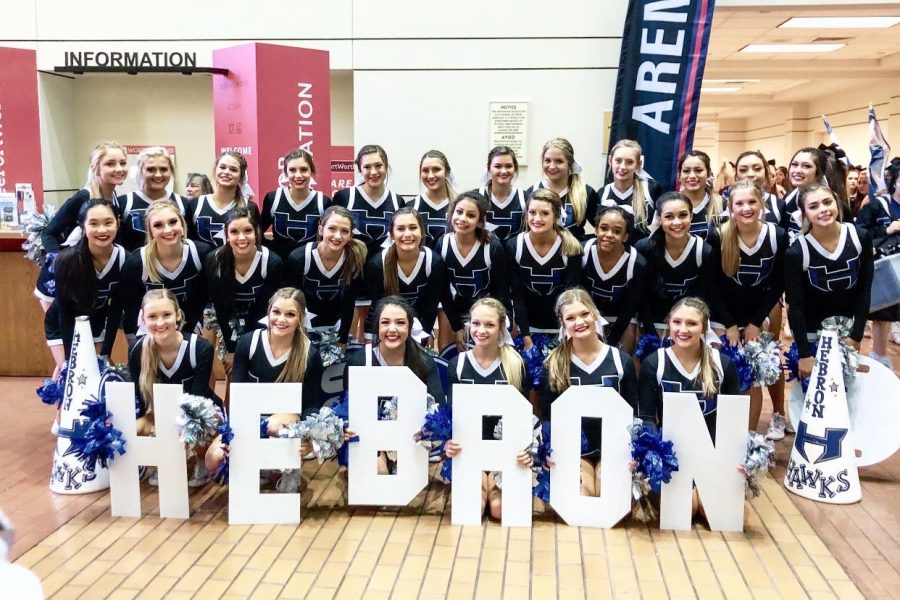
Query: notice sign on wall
{"x": 509, "y": 127}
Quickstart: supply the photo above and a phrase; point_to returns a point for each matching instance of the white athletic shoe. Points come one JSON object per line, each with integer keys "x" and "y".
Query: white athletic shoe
{"x": 776, "y": 427}
{"x": 788, "y": 427}
{"x": 153, "y": 481}
{"x": 895, "y": 332}
{"x": 201, "y": 475}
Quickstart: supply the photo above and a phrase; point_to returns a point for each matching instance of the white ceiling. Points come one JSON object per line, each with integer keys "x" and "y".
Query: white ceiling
{"x": 870, "y": 55}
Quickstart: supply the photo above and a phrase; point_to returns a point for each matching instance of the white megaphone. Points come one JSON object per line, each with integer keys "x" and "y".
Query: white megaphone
{"x": 69, "y": 475}
{"x": 823, "y": 461}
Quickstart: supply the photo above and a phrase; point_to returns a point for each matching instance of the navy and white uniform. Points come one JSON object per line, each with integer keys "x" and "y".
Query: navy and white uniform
{"x": 774, "y": 208}
{"x": 242, "y": 300}
{"x": 254, "y": 362}
{"x": 759, "y": 282}
{"x": 618, "y": 293}
{"x": 187, "y": 281}
{"x": 536, "y": 281}
{"x": 791, "y": 220}
{"x": 663, "y": 372}
{"x": 293, "y": 224}
{"x": 106, "y": 312}
{"x": 875, "y": 217}
{"x": 821, "y": 284}
{"x": 700, "y": 225}
{"x": 434, "y": 216}
{"x": 504, "y": 219}
{"x": 481, "y": 273}
{"x": 191, "y": 369}
{"x": 209, "y": 219}
{"x": 464, "y": 369}
{"x": 372, "y": 217}
{"x": 693, "y": 273}
{"x": 132, "y": 208}
{"x": 369, "y": 356}
{"x": 327, "y": 297}
{"x": 591, "y": 202}
{"x": 610, "y": 196}
{"x": 422, "y": 288}
{"x": 613, "y": 369}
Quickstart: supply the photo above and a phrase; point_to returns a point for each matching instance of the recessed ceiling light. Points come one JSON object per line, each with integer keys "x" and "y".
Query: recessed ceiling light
{"x": 736, "y": 80}
{"x": 719, "y": 90}
{"x": 790, "y": 48}
{"x": 840, "y": 22}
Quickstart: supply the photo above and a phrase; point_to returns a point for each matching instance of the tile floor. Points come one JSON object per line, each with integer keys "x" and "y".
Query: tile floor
{"x": 790, "y": 547}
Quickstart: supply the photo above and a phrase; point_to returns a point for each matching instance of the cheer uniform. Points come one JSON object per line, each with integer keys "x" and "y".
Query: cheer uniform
{"x": 536, "y": 281}
{"x": 663, "y": 372}
{"x": 568, "y": 216}
{"x": 434, "y": 216}
{"x": 327, "y": 297}
{"x": 106, "y": 312}
{"x": 187, "y": 282}
{"x": 133, "y": 208}
{"x": 209, "y": 219}
{"x": 759, "y": 282}
{"x": 791, "y": 220}
{"x": 875, "y": 217}
{"x": 610, "y": 196}
{"x": 482, "y": 273}
{"x": 694, "y": 273}
{"x": 464, "y": 369}
{"x": 369, "y": 356}
{"x": 774, "y": 208}
{"x": 255, "y": 363}
{"x": 613, "y": 369}
{"x": 700, "y": 225}
{"x": 619, "y": 293}
{"x": 242, "y": 300}
{"x": 821, "y": 284}
{"x": 504, "y": 219}
{"x": 191, "y": 369}
{"x": 371, "y": 217}
{"x": 422, "y": 288}
{"x": 293, "y": 224}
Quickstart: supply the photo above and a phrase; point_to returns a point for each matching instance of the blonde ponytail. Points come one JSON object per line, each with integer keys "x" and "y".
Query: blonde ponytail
{"x": 295, "y": 368}
{"x": 511, "y": 362}
{"x": 150, "y": 351}
{"x": 577, "y": 189}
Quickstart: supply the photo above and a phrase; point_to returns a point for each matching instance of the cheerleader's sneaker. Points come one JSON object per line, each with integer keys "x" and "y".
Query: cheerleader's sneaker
{"x": 153, "y": 481}
{"x": 201, "y": 475}
{"x": 776, "y": 427}
{"x": 788, "y": 427}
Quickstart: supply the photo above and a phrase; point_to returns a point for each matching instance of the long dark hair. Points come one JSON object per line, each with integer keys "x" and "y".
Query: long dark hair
{"x": 482, "y": 204}
{"x": 413, "y": 355}
{"x": 390, "y": 276}
{"x": 76, "y": 278}
{"x": 657, "y": 239}
{"x": 223, "y": 258}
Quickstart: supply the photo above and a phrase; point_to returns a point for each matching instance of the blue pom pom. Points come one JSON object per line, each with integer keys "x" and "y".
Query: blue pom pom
{"x": 51, "y": 392}
{"x": 98, "y": 441}
{"x": 792, "y": 364}
{"x": 740, "y": 362}
{"x": 654, "y": 456}
{"x": 650, "y": 343}
{"x": 541, "y": 488}
{"x": 264, "y": 427}
{"x": 342, "y": 409}
{"x": 534, "y": 357}
{"x": 227, "y": 435}
{"x": 438, "y": 427}
{"x": 447, "y": 470}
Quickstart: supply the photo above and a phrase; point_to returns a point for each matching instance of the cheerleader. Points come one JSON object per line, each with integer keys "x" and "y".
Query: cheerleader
{"x": 628, "y": 190}
{"x": 752, "y": 165}
{"x": 491, "y": 361}
{"x": 881, "y": 218}
{"x": 562, "y": 175}
{"x": 544, "y": 260}
{"x": 293, "y": 213}
{"x": 694, "y": 172}
{"x": 166, "y": 355}
{"x": 88, "y": 276}
{"x": 394, "y": 346}
{"x": 436, "y": 176}
{"x": 615, "y": 275}
{"x": 507, "y": 208}
{"x": 810, "y": 166}
{"x": 282, "y": 353}
{"x": 329, "y": 272}
{"x": 475, "y": 262}
{"x": 371, "y": 203}
{"x": 241, "y": 276}
{"x": 690, "y": 366}
{"x": 828, "y": 272}
{"x": 108, "y": 169}
{"x": 582, "y": 358}
{"x": 752, "y": 278}
{"x": 681, "y": 263}
{"x": 781, "y": 184}
{"x": 169, "y": 260}
{"x": 155, "y": 169}
{"x": 407, "y": 269}
{"x": 210, "y": 210}
{"x": 196, "y": 185}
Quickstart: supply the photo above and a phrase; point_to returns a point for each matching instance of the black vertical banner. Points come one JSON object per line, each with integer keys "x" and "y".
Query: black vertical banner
{"x": 661, "y": 64}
